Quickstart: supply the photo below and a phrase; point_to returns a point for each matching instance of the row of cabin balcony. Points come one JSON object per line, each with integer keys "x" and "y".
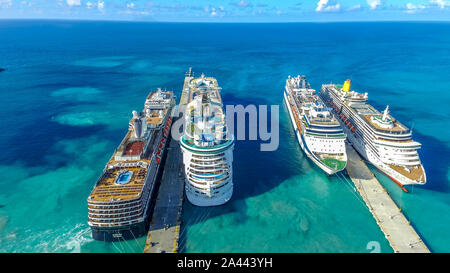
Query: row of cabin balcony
{"x": 109, "y": 211}
{"x": 130, "y": 220}
{"x": 207, "y": 179}
{"x": 115, "y": 216}
{"x": 209, "y": 172}
{"x": 209, "y": 167}
{"x": 115, "y": 205}
{"x": 209, "y": 158}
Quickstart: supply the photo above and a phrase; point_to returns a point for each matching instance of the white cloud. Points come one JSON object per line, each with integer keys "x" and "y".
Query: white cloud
{"x": 130, "y": 5}
{"x": 100, "y": 5}
{"x": 373, "y": 4}
{"x": 412, "y": 8}
{"x": 25, "y": 3}
{"x": 355, "y": 7}
{"x": 243, "y": 3}
{"x": 6, "y": 3}
{"x": 73, "y": 2}
{"x": 325, "y": 6}
{"x": 279, "y": 12}
{"x": 213, "y": 12}
{"x": 441, "y": 3}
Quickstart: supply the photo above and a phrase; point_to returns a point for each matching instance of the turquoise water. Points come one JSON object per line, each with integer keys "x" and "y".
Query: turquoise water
{"x": 70, "y": 87}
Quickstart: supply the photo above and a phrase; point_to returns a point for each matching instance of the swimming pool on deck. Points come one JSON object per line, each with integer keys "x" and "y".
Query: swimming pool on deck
{"x": 124, "y": 178}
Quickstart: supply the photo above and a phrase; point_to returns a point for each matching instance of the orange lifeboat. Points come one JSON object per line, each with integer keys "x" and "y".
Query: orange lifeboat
{"x": 354, "y": 129}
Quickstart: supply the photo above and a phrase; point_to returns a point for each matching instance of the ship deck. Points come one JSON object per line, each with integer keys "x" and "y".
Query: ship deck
{"x": 398, "y": 128}
{"x": 214, "y": 96}
{"x": 107, "y": 188}
{"x": 414, "y": 172}
{"x": 134, "y": 148}
{"x": 155, "y": 118}
{"x": 300, "y": 100}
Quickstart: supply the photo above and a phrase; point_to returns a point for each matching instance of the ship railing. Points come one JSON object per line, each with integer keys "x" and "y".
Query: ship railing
{"x": 208, "y": 179}
{"x": 115, "y": 216}
{"x": 113, "y": 210}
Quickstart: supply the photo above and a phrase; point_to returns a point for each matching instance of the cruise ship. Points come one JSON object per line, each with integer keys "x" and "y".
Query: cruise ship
{"x": 120, "y": 203}
{"x": 320, "y": 135}
{"x": 377, "y": 136}
{"x": 206, "y": 145}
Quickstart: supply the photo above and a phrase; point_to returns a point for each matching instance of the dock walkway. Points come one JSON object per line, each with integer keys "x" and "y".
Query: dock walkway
{"x": 397, "y": 229}
{"x": 164, "y": 229}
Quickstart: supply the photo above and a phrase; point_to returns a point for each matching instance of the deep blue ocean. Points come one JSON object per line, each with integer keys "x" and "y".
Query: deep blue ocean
{"x": 69, "y": 88}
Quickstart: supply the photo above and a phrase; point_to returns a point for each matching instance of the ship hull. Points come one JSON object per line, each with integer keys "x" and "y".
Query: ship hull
{"x": 203, "y": 202}
{"x": 119, "y": 234}
{"x": 303, "y": 144}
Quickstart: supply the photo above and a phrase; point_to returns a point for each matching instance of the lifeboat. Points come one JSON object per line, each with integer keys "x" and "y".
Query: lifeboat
{"x": 347, "y": 121}
{"x": 158, "y": 159}
{"x": 349, "y": 125}
{"x": 161, "y": 145}
{"x": 158, "y": 152}
{"x": 354, "y": 129}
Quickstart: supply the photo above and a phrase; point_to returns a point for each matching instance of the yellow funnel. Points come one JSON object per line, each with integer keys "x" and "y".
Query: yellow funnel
{"x": 347, "y": 85}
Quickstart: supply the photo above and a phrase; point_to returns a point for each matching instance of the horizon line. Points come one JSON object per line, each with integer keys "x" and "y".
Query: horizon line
{"x": 224, "y": 22}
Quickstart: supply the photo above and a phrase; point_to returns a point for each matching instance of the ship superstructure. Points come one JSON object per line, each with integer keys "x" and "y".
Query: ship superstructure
{"x": 120, "y": 202}
{"x": 207, "y": 147}
{"x": 319, "y": 134}
{"x": 377, "y": 136}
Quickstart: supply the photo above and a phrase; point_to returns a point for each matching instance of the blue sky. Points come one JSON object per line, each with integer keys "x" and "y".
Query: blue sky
{"x": 228, "y": 11}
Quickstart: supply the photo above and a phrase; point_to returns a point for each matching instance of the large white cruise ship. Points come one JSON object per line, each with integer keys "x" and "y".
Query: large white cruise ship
{"x": 207, "y": 151}
{"x": 320, "y": 135}
{"x": 120, "y": 204}
{"x": 378, "y": 137}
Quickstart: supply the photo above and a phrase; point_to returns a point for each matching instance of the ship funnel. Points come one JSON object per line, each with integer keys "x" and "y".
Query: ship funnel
{"x": 137, "y": 124}
{"x": 347, "y": 85}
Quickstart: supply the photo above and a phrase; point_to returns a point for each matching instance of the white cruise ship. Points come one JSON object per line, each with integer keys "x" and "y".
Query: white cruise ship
{"x": 320, "y": 135}
{"x": 378, "y": 137}
{"x": 207, "y": 151}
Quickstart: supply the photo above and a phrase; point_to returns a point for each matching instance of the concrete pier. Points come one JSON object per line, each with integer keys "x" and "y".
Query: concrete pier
{"x": 397, "y": 229}
{"x": 164, "y": 231}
